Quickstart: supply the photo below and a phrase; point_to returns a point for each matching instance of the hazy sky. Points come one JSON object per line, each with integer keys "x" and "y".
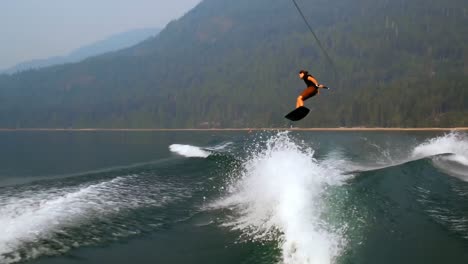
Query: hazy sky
{"x": 34, "y": 29}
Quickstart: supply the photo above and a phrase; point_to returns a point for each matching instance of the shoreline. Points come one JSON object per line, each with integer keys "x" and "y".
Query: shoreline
{"x": 236, "y": 129}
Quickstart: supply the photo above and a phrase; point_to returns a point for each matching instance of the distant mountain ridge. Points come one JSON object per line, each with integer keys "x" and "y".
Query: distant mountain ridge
{"x": 234, "y": 64}
{"x": 112, "y": 43}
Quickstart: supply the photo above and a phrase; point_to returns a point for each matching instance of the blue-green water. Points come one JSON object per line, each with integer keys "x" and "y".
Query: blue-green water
{"x": 233, "y": 197}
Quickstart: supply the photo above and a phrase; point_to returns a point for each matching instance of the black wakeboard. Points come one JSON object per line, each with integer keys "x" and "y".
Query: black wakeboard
{"x": 298, "y": 113}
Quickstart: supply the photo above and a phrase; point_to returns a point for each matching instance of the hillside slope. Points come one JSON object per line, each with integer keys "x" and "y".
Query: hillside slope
{"x": 112, "y": 43}
{"x": 235, "y": 63}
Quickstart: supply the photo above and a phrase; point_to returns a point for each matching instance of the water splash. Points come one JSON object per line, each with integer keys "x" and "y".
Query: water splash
{"x": 48, "y": 220}
{"x": 455, "y": 144}
{"x": 279, "y": 196}
{"x": 189, "y": 151}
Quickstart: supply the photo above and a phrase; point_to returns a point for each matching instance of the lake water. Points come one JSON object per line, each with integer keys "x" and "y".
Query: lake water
{"x": 233, "y": 197}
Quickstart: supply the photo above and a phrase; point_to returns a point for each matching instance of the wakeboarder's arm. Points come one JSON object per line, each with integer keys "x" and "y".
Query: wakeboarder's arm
{"x": 312, "y": 79}
{"x": 316, "y": 83}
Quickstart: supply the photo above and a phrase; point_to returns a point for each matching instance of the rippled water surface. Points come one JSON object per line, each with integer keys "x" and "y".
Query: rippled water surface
{"x": 233, "y": 197}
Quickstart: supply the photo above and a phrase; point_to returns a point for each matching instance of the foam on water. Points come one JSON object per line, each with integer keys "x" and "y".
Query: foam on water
{"x": 220, "y": 147}
{"x": 189, "y": 151}
{"x": 38, "y": 221}
{"x": 279, "y": 196}
{"x": 454, "y": 143}
{"x": 448, "y": 153}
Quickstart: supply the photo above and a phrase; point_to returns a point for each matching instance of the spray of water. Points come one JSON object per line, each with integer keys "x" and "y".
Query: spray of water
{"x": 189, "y": 151}
{"x": 456, "y": 144}
{"x": 279, "y": 196}
{"x": 44, "y": 221}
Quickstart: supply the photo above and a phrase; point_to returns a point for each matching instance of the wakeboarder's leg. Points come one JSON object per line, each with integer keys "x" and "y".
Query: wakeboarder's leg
{"x": 299, "y": 102}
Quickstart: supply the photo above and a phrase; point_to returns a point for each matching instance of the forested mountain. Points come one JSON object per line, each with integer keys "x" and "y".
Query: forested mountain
{"x": 234, "y": 64}
{"x": 112, "y": 43}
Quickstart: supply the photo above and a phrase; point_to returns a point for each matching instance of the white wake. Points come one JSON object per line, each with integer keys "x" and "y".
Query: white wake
{"x": 189, "y": 151}
{"x": 456, "y": 144}
{"x": 28, "y": 217}
{"x": 279, "y": 196}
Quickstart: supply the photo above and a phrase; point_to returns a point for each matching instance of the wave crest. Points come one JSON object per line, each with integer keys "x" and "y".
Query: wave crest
{"x": 456, "y": 144}
{"x": 279, "y": 196}
{"x": 189, "y": 151}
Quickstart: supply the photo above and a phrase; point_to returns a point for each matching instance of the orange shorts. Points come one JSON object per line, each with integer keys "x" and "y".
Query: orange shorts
{"x": 309, "y": 92}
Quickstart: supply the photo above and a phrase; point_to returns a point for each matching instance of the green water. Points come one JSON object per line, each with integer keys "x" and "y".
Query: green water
{"x": 233, "y": 197}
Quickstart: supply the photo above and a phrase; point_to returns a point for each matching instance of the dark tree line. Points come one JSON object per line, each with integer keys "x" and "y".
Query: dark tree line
{"x": 235, "y": 63}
